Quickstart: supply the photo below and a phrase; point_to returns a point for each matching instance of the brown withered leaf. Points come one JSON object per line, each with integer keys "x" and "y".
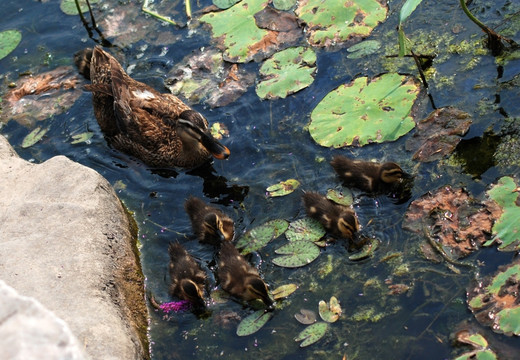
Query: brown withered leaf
{"x": 438, "y": 134}
{"x": 457, "y": 221}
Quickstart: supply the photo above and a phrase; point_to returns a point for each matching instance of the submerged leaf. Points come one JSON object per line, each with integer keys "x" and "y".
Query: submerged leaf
{"x": 312, "y": 333}
{"x": 305, "y": 229}
{"x": 69, "y": 6}
{"x": 260, "y": 236}
{"x": 296, "y": 253}
{"x": 367, "y": 250}
{"x": 81, "y": 137}
{"x": 9, "y": 40}
{"x": 284, "y": 291}
{"x": 305, "y": 317}
{"x": 254, "y": 322}
{"x": 284, "y": 4}
{"x": 33, "y": 137}
{"x": 283, "y": 188}
{"x": 363, "y": 48}
{"x": 224, "y": 4}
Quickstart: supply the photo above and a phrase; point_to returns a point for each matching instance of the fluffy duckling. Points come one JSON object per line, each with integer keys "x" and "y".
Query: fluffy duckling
{"x": 369, "y": 176}
{"x": 239, "y": 278}
{"x": 187, "y": 278}
{"x": 136, "y": 119}
{"x": 339, "y": 220}
{"x": 209, "y": 223}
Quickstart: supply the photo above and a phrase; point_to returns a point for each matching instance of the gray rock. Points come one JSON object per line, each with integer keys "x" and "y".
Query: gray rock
{"x": 67, "y": 241}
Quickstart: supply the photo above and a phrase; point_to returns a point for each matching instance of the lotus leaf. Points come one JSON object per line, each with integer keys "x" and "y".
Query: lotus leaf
{"x": 330, "y": 312}
{"x": 9, "y": 40}
{"x": 283, "y": 188}
{"x": 69, "y": 6}
{"x": 224, "y": 4}
{"x": 33, "y": 137}
{"x": 305, "y": 317}
{"x": 367, "y": 250}
{"x": 305, "y": 229}
{"x": 494, "y": 301}
{"x": 506, "y": 229}
{"x": 312, "y": 333}
{"x": 284, "y": 291}
{"x": 286, "y": 72}
{"x": 260, "y": 236}
{"x": 364, "y": 111}
{"x": 363, "y": 48}
{"x": 343, "y": 197}
{"x": 296, "y": 253}
{"x": 83, "y": 137}
{"x": 331, "y": 22}
{"x": 253, "y": 322}
{"x": 284, "y": 4}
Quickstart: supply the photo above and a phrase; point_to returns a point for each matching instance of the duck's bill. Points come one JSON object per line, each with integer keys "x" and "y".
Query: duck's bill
{"x": 216, "y": 149}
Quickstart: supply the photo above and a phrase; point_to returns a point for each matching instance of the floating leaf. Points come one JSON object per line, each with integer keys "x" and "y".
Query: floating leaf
{"x": 284, "y": 291}
{"x": 364, "y": 111}
{"x": 330, "y": 312}
{"x": 478, "y": 355}
{"x": 312, "y": 333}
{"x": 33, "y": 137}
{"x": 254, "y": 322}
{"x": 506, "y": 229}
{"x": 363, "y": 48}
{"x": 69, "y": 6}
{"x": 296, "y": 253}
{"x": 219, "y": 130}
{"x": 286, "y": 72}
{"x": 343, "y": 197}
{"x": 9, "y": 40}
{"x": 305, "y": 229}
{"x": 284, "y": 4}
{"x": 475, "y": 340}
{"x": 367, "y": 250}
{"x": 260, "y": 236}
{"x": 331, "y": 22}
{"x": 305, "y": 317}
{"x": 81, "y": 137}
{"x": 283, "y": 188}
{"x": 224, "y": 4}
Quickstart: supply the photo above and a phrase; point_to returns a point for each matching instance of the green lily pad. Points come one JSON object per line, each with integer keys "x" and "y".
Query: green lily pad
{"x": 506, "y": 230}
{"x": 260, "y": 236}
{"x": 283, "y": 188}
{"x": 332, "y": 22}
{"x": 305, "y": 229}
{"x": 254, "y": 322}
{"x": 284, "y": 4}
{"x": 305, "y": 317}
{"x": 367, "y": 250}
{"x": 363, "y": 48}
{"x": 286, "y": 72}
{"x": 69, "y": 6}
{"x": 9, "y": 40}
{"x": 478, "y": 355}
{"x": 312, "y": 333}
{"x": 478, "y": 342}
{"x": 284, "y": 291}
{"x": 33, "y": 137}
{"x": 343, "y": 197}
{"x": 81, "y": 137}
{"x": 296, "y": 253}
{"x": 364, "y": 111}
{"x": 224, "y": 4}
{"x": 330, "y": 312}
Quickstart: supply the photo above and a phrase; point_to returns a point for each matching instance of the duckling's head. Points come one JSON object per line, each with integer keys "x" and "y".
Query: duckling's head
{"x": 256, "y": 289}
{"x": 193, "y": 131}
{"x": 214, "y": 226}
{"x": 348, "y": 224}
{"x": 391, "y": 173}
{"x": 192, "y": 292}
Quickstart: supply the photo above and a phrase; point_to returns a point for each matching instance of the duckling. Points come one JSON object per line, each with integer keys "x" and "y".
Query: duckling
{"x": 209, "y": 223}
{"x": 239, "y": 278}
{"x": 187, "y": 278}
{"x": 339, "y": 220}
{"x": 159, "y": 129}
{"x": 369, "y": 176}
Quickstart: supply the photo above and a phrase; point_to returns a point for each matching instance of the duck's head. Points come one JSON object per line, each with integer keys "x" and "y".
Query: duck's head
{"x": 193, "y": 292}
{"x": 193, "y": 130}
{"x": 348, "y": 224}
{"x": 215, "y": 226}
{"x": 391, "y": 173}
{"x": 255, "y": 288}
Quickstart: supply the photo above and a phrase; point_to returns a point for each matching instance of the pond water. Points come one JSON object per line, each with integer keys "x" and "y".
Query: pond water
{"x": 269, "y": 143}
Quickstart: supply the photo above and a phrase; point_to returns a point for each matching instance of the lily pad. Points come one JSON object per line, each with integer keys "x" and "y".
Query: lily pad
{"x": 330, "y": 312}
{"x": 297, "y": 253}
{"x": 69, "y": 6}
{"x": 33, "y": 137}
{"x": 305, "y": 317}
{"x": 260, "y": 236}
{"x": 9, "y": 40}
{"x": 365, "y": 112}
{"x": 367, "y": 250}
{"x": 332, "y": 22}
{"x": 343, "y": 197}
{"x": 478, "y": 355}
{"x": 286, "y": 72}
{"x": 363, "y": 48}
{"x": 254, "y": 322}
{"x": 305, "y": 229}
{"x": 284, "y": 291}
{"x": 312, "y": 333}
{"x": 82, "y": 137}
{"x": 283, "y": 188}
{"x": 506, "y": 229}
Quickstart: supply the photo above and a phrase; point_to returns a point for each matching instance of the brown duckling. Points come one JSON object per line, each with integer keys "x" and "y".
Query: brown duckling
{"x": 341, "y": 221}
{"x": 187, "y": 278}
{"x": 369, "y": 176}
{"x": 238, "y": 277}
{"x": 136, "y": 119}
{"x": 209, "y": 223}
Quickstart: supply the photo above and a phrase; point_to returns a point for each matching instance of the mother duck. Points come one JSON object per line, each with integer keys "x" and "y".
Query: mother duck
{"x": 157, "y": 128}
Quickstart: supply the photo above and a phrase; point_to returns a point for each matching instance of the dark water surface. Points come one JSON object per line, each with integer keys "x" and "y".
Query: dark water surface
{"x": 269, "y": 143}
